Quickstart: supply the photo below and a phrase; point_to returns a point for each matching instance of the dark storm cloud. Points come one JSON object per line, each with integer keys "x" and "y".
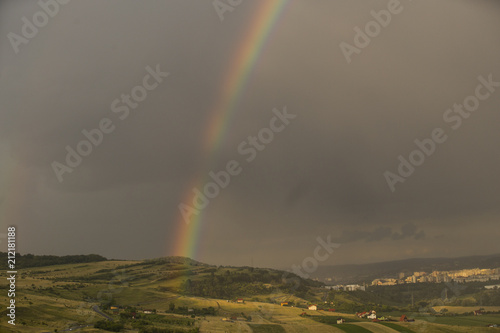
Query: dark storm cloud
{"x": 323, "y": 174}
{"x": 381, "y": 233}
{"x": 296, "y": 193}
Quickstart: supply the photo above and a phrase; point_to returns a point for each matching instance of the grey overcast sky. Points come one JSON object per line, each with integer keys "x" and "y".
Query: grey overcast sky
{"x": 323, "y": 174}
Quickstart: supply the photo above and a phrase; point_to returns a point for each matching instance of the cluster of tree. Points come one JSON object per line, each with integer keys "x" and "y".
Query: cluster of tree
{"x": 488, "y": 297}
{"x": 87, "y": 278}
{"x": 140, "y": 324}
{"x": 146, "y": 322}
{"x": 175, "y": 321}
{"x": 179, "y": 321}
{"x": 403, "y": 294}
{"x": 458, "y": 294}
{"x": 358, "y": 301}
{"x": 415, "y": 297}
{"x": 351, "y": 307}
{"x": 230, "y": 284}
{"x": 175, "y": 260}
{"x": 30, "y": 260}
{"x": 111, "y": 326}
{"x": 184, "y": 310}
{"x": 212, "y": 289}
{"x": 482, "y": 298}
{"x": 370, "y": 298}
{"x": 446, "y": 313}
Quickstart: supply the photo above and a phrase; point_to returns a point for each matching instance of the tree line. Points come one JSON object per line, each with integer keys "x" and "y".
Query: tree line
{"x": 31, "y": 260}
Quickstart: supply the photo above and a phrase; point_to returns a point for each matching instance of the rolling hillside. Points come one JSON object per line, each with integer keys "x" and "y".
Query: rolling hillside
{"x": 176, "y": 294}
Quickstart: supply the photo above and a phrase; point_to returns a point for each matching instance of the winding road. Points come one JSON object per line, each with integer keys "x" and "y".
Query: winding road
{"x": 98, "y": 311}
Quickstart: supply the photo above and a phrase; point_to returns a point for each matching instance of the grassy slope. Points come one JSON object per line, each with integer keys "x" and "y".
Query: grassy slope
{"x": 463, "y": 309}
{"x": 56, "y": 296}
{"x": 63, "y": 294}
{"x": 465, "y": 320}
{"x": 266, "y": 328}
{"x": 397, "y": 327}
{"x": 352, "y": 328}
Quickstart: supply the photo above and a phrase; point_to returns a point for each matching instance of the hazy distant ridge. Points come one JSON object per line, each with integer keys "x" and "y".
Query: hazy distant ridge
{"x": 368, "y": 272}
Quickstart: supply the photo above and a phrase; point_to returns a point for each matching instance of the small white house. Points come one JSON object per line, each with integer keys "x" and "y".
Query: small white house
{"x": 372, "y": 316}
{"x": 340, "y": 321}
{"x": 313, "y": 307}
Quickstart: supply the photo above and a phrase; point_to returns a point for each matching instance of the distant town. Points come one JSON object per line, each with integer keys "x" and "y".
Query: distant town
{"x": 458, "y": 276}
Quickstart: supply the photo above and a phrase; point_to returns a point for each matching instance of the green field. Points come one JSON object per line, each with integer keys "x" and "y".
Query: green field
{"x": 332, "y": 320}
{"x": 352, "y": 328}
{"x": 267, "y": 328}
{"x": 464, "y": 320}
{"x": 397, "y": 327}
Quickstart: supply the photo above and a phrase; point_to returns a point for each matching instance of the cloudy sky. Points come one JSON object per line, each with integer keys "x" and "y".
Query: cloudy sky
{"x": 324, "y": 173}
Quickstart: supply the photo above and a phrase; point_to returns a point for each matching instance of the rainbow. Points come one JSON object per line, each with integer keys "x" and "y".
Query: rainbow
{"x": 234, "y": 83}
